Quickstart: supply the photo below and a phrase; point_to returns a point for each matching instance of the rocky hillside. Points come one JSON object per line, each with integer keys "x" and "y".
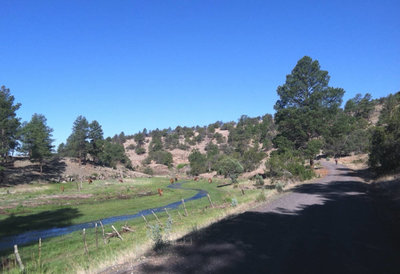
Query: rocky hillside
{"x": 180, "y": 156}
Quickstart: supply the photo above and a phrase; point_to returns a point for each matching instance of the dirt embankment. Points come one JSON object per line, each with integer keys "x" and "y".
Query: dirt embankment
{"x": 23, "y": 171}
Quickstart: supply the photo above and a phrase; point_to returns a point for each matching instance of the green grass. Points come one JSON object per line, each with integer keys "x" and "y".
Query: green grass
{"x": 66, "y": 253}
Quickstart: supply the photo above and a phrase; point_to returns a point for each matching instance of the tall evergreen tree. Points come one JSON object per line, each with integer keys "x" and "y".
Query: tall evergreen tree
{"x": 77, "y": 144}
{"x": 9, "y": 123}
{"x": 307, "y": 104}
{"x": 36, "y": 139}
{"x": 96, "y": 140}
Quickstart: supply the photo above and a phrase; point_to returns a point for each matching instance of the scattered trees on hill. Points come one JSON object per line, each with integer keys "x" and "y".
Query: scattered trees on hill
{"x": 140, "y": 139}
{"x": 390, "y": 105}
{"x": 308, "y": 120}
{"x": 36, "y": 140}
{"x": 385, "y": 142}
{"x": 350, "y": 129}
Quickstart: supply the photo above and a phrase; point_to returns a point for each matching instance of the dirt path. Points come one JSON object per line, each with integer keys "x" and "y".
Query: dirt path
{"x": 334, "y": 225}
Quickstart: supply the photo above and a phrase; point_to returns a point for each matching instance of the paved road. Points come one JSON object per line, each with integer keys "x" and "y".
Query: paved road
{"x": 333, "y": 225}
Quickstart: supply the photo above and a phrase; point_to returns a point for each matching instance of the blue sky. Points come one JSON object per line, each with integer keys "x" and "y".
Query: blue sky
{"x": 155, "y": 64}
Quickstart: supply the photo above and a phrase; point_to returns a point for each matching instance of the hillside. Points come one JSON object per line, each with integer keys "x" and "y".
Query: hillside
{"x": 180, "y": 156}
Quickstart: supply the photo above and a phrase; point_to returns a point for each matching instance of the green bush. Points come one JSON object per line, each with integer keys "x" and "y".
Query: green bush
{"x": 148, "y": 170}
{"x": 197, "y": 162}
{"x": 261, "y": 197}
{"x": 234, "y": 202}
{"x": 112, "y": 154}
{"x": 279, "y": 186}
{"x": 229, "y": 167}
{"x": 180, "y": 166}
{"x": 182, "y": 146}
{"x": 385, "y": 145}
{"x": 259, "y": 180}
{"x": 162, "y": 157}
{"x": 140, "y": 150}
{"x": 131, "y": 147}
{"x": 286, "y": 165}
{"x": 160, "y": 234}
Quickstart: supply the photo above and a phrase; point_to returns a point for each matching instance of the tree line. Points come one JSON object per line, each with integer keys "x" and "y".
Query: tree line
{"x": 34, "y": 139}
{"x": 87, "y": 143}
{"x": 309, "y": 120}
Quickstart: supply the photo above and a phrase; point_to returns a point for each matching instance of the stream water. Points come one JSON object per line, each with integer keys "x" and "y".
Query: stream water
{"x": 34, "y": 235}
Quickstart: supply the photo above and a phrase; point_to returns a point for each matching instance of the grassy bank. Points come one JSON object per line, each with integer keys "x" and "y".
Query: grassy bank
{"x": 42, "y": 206}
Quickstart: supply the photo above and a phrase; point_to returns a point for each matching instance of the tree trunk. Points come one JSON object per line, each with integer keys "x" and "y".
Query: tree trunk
{"x": 311, "y": 162}
{"x": 41, "y": 168}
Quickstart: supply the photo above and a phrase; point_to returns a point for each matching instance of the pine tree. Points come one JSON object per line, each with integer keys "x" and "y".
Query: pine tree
{"x": 96, "y": 140}
{"x": 9, "y": 123}
{"x": 307, "y": 104}
{"x": 77, "y": 144}
{"x": 36, "y": 140}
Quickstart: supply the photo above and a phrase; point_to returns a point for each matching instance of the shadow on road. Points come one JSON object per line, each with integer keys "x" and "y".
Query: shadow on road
{"x": 346, "y": 233}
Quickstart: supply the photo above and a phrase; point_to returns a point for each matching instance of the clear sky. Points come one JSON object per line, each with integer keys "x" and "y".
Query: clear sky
{"x": 134, "y": 64}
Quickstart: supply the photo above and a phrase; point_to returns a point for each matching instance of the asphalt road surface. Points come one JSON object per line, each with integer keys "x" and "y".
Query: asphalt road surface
{"x": 334, "y": 225}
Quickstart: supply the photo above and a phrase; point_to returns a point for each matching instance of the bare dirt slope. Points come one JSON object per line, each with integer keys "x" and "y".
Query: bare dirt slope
{"x": 23, "y": 171}
{"x": 334, "y": 225}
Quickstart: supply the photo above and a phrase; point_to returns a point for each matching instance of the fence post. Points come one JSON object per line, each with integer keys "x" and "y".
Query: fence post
{"x": 158, "y": 220}
{"x": 40, "y": 250}
{"x": 209, "y": 199}
{"x": 144, "y": 218}
{"x": 21, "y": 265}
{"x": 116, "y": 231}
{"x": 180, "y": 215}
{"x": 169, "y": 216}
{"x": 84, "y": 242}
{"x": 184, "y": 207}
{"x": 104, "y": 237}
{"x": 97, "y": 238}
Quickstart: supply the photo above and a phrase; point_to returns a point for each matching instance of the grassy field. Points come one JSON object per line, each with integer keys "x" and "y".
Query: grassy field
{"x": 41, "y": 206}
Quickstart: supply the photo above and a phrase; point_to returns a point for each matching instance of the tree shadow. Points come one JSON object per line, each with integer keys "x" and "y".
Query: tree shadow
{"x": 366, "y": 174}
{"x": 14, "y": 225}
{"x": 52, "y": 171}
{"x": 344, "y": 233}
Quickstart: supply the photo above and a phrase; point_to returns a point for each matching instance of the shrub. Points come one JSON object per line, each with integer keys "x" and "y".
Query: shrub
{"x": 197, "y": 162}
{"x": 182, "y": 146}
{"x": 162, "y": 157}
{"x": 261, "y": 197}
{"x": 180, "y": 166}
{"x": 219, "y": 137}
{"x": 148, "y": 170}
{"x": 160, "y": 234}
{"x": 259, "y": 180}
{"x": 131, "y": 147}
{"x": 385, "y": 145}
{"x": 140, "y": 150}
{"x": 286, "y": 164}
{"x": 112, "y": 154}
{"x": 229, "y": 167}
{"x": 279, "y": 186}
{"x": 234, "y": 202}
